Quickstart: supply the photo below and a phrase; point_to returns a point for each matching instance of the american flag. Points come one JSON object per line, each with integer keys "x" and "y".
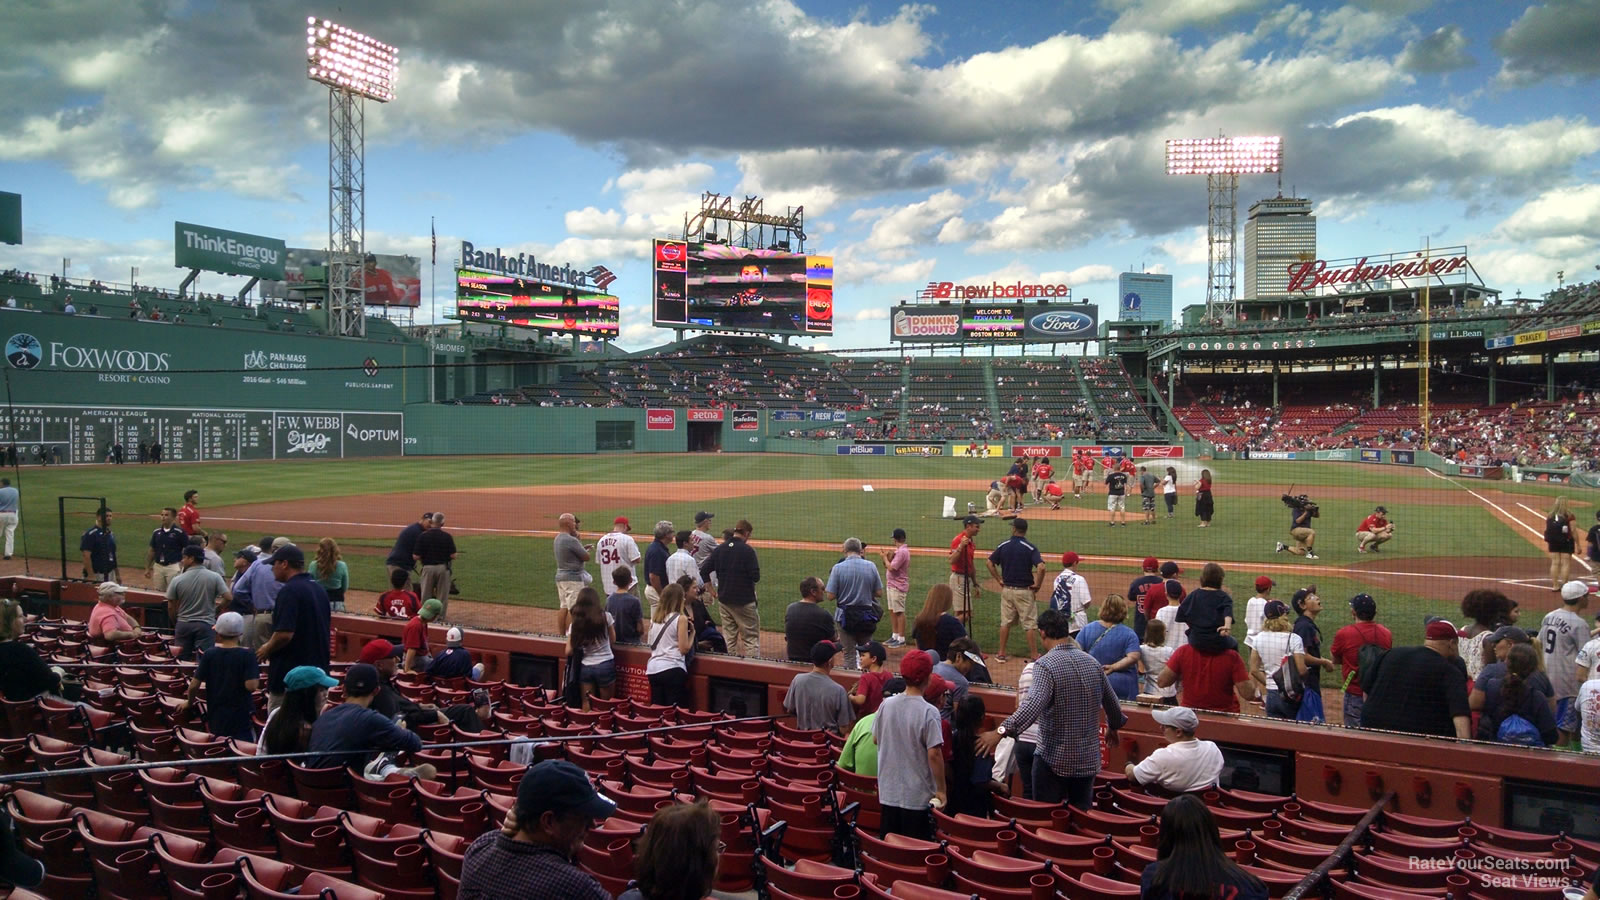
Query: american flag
{"x": 435, "y": 233}
{"x": 601, "y": 276}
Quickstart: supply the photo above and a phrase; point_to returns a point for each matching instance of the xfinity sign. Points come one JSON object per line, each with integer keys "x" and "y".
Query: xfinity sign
{"x": 227, "y": 252}
{"x": 525, "y": 266}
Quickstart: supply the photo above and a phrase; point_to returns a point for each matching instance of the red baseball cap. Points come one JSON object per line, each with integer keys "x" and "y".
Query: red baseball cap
{"x": 915, "y": 667}
{"x": 1151, "y": 564}
{"x": 1070, "y": 559}
{"x": 1264, "y": 583}
{"x": 622, "y": 520}
{"x": 377, "y": 649}
{"x": 936, "y": 687}
{"x": 1440, "y": 630}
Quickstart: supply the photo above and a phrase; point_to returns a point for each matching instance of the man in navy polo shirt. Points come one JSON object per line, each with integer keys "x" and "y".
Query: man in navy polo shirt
{"x": 300, "y": 622}
{"x": 1020, "y": 572}
{"x": 162, "y": 561}
{"x": 99, "y": 548}
{"x": 655, "y": 566}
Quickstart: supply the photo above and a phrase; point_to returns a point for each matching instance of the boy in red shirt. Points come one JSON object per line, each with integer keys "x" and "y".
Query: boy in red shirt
{"x": 189, "y": 515}
{"x": 1214, "y": 681}
{"x": 400, "y": 602}
{"x": 415, "y": 637}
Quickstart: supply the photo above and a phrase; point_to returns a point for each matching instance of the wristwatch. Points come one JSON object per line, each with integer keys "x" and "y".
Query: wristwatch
{"x": 1002, "y": 731}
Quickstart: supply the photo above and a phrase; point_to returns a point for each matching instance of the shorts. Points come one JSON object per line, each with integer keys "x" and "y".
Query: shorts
{"x": 1302, "y": 535}
{"x": 897, "y": 600}
{"x": 1117, "y": 502}
{"x": 1019, "y": 605}
{"x": 600, "y": 674}
{"x": 567, "y": 591}
{"x": 1147, "y": 502}
{"x": 959, "y": 585}
{"x": 1567, "y": 714}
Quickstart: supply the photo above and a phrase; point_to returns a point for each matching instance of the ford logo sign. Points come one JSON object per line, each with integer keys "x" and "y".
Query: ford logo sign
{"x": 1060, "y": 323}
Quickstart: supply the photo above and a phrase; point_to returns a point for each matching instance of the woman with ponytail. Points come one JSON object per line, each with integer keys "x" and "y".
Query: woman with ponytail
{"x": 1514, "y": 713}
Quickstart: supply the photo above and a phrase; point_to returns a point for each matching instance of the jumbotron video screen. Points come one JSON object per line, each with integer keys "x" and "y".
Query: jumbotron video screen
{"x": 720, "y": 287}
{"x": 494, "y": 298}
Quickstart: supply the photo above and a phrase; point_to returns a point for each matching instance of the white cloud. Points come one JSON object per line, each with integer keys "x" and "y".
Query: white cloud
{"x": 1560, "y": 212}
{"x": 1165, "y": 16}
{"x": 871, "y": 313}
{"x": 895, "y": 229}
{"x": 1187, "y": 250}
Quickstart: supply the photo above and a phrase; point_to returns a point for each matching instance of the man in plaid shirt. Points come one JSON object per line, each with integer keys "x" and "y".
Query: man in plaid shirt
{"x": 1068, "y": 694}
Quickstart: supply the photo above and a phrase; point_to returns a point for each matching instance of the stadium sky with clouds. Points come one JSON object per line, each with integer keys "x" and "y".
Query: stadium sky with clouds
{"x": 999, "y": 141}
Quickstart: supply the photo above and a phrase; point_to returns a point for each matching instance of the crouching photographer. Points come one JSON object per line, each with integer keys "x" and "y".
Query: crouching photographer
{"x": 1300, "y": 531}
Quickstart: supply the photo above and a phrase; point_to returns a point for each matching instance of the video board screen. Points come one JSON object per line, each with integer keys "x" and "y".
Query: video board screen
{"x": 991, "y": 322}
{"x": 497, "y": 299}
{"x": 720, "y": 287}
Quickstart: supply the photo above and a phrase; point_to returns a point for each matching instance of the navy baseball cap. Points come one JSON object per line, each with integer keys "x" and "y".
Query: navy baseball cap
{"x": 558, "y": 786}
{"x": 360, "y": 680}
{"x": 290, "y": 554}
{"x": 194, "y": 552}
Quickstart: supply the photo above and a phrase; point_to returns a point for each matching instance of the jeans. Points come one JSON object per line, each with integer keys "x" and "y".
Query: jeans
{"x": 191, "y": 637}
{"x": 1048, "y": 787}
{"x": 1279, "y": 708}
{"x": 1024, "y": 754}
{"x": 1352, "y": 710}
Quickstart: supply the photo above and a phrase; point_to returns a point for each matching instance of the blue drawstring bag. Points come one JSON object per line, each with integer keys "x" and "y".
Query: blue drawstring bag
{"x": 1310, "y": 708}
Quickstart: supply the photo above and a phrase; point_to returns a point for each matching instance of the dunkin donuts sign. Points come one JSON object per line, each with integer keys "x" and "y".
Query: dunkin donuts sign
{"x": 660, "y": 419}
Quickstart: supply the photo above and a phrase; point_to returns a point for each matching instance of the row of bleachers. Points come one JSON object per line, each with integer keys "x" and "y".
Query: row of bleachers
{"x": 948, "y": 399}
{"x": 1122, "y": 412}
{"x": 210, "y": 820}
{"x": 1040, "y": 399}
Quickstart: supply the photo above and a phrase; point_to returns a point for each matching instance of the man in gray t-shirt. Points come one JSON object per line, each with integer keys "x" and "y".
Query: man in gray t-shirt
{"x": 571, "y": 554}
{"x": 193, "y": 596}
{"x": 816, "y": 700}
{"x": 911, "y": 762}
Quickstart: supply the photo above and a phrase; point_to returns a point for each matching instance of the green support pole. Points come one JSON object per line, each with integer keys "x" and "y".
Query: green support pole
{"x": 1274, "y": 384}
{"x": 1550, "y": 377}
{"x": 1377, "y": 372}
{"x": 1494, "y": 373}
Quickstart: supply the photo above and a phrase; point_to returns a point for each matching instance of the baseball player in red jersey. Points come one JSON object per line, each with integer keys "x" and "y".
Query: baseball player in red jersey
{"x": 1042, "y": 473}
{"x": 1082, "y": 467}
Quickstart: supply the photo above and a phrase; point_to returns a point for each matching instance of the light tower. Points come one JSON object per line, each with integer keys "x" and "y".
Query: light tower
{"x": 1222, "y": 160}
{"x": 356, "y": 68}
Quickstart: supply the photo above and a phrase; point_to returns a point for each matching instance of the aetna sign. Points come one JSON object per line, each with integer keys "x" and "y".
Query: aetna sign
{"x": 1308, "y": 276}
{"x": 949, "y": 290}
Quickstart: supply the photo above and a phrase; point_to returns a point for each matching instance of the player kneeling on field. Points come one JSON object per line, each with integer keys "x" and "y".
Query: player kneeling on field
{"x": 1053, "y": 494}
{"x": 1303, "y": 511}
{"x": 1374, "y": 530}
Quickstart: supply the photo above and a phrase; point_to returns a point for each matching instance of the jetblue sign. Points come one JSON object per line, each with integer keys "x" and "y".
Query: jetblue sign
{"x": 1062, "y": 323}
{"x": 861, "y": 450}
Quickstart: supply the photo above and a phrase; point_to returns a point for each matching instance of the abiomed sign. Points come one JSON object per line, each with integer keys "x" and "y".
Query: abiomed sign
{"x": 228, "y": 252}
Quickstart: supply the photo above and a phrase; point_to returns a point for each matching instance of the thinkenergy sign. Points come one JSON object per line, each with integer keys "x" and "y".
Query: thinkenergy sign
{"x": 228, "y": 252}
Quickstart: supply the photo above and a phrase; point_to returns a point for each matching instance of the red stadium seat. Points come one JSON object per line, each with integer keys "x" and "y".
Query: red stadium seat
{"x": 393, "y": 799}
{"x": 187, "y": 866}
{"x": 1072, "y": 850}
{"x": 325, "y": 787}
{"x": 971, "y": 833}
{"x": 877, "y": 889}
{"x": 267, "y": 880}
{"x": 389, "y": 858}
{"x": 238, "y": 818}
{"x": 992, "y": 874}
{"x": 807, "y": 878}
{"x": 119, "y": 855}
{"x": 1032, "y": 813}
{"x": 461, "y": 811}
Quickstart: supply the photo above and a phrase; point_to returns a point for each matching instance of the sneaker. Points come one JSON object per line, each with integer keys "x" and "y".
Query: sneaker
{"x": 1282, "y": 546}
{"x": 1310, "y": 555}
{"x": 1360, "y": 549}
{"x": 894, "y": 642}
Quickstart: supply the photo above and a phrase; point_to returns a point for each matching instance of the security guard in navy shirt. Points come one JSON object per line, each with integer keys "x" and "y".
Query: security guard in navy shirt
{"x": 99, "y": 547}
{"x": 161, "y": 563}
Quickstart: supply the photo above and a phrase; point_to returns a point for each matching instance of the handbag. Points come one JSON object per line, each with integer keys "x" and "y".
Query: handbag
{"x": 1291, "y": 687}
{"x": 572, "y": 690}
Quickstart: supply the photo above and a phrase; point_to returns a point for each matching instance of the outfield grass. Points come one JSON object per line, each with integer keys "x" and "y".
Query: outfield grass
{"x": 518, "y": 570}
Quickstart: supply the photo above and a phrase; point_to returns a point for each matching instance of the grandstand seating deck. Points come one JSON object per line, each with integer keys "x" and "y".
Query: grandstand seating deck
{"x": 792, "y": 824}
{"x": 1040, "y": 398}
{"x": 948, "y": 399}
{"x": 1113, "y": 391}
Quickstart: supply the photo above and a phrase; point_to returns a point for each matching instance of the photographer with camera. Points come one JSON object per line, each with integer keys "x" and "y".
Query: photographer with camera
{"x": 1303, "y": 511}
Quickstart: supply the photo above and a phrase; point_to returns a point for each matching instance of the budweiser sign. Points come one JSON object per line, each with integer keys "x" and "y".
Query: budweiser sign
{"x": 1308, "y": 276}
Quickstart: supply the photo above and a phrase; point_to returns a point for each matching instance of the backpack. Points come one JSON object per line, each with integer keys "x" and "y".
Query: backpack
{"x": 1288, "y": 681}
{"x": 1367, "y": 659}
{"x": 1555, "y": 529}
{"x": 1061, "y": 596}
{"x": 1514, "y": 729}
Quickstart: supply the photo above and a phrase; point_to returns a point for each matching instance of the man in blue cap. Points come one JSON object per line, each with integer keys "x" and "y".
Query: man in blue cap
{"x": 300, "y": 622}
{"x": 531, "y": 855}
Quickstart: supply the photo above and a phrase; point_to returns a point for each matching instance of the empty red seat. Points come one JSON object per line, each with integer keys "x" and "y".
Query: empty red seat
{"x": 461, "y": 811}
{"x": 323, "y": 786}
{"x": 1001, "y": 877}
{"x": 875, "y": 888}
{"x": 119, "y": 855}
{"x": 807, "y": 878}
{"x": 268, "y": 880}
{"x": 389, "y": 858}
{"x": 393, "y": 799}
{"x": 238, "y": 819}
{"x": 188, "y": 865}
{"x": 497, "y": 775}
{"x": 1033, "y": 813}
{"x": 971, "y": 833}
